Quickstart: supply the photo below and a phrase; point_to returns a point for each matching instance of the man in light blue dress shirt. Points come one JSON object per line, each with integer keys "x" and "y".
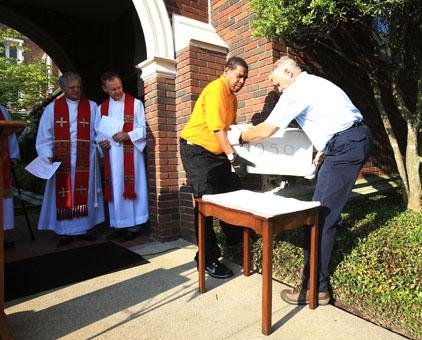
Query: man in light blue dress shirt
{"x": 343, "y": 143}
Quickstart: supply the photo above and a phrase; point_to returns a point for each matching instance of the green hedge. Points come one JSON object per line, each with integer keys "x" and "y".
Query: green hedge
{"x": 376, "y": 262}
{"x": 381, "y": 276}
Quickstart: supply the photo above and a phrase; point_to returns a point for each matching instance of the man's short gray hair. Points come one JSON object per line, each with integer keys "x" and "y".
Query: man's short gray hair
{"x": 68, "y": 76}
{"x": 285, "y": 60}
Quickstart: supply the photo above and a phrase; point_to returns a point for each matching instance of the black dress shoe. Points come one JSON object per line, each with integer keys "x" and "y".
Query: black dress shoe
{"x": 118, "y": 234}
{"x": 130, "y": 235}
{"x": 64, "y": 241}
{"x": 8, "y": 244}
{"x": 218, "y": 270}
{"x": 87, "y": 237}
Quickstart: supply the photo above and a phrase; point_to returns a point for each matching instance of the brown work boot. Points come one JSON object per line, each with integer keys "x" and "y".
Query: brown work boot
{"x": 298, "y": 296}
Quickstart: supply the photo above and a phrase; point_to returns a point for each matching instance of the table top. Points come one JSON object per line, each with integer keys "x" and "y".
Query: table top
{"x": 261, "y": 204}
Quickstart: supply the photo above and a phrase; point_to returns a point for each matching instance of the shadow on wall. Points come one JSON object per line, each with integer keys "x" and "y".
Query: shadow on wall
{"x": 270, "y": 101}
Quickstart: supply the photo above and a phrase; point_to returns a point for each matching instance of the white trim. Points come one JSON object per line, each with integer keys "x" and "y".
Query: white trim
{"x": 156, "y": 27}
{"x": 157, "y": 65}
{"x": 188, "y": 31}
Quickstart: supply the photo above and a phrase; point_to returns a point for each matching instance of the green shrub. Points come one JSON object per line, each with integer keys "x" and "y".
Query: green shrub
{"x": 381, "y": 276}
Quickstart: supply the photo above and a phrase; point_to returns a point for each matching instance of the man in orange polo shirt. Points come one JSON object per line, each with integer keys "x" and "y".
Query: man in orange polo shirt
{"x": 207, "y": 155}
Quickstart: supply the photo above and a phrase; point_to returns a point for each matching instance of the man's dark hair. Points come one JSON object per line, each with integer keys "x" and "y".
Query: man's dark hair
{"x": 109, "y": 75}
{"x": 233, "y": 62}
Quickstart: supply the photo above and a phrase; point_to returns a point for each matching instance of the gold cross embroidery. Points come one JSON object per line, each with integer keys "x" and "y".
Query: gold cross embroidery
{"x": 61, "y": 122}
{"x": 63, "y": 192}
{"x": 84, "y": 122}
{"x": 81, "y": 189}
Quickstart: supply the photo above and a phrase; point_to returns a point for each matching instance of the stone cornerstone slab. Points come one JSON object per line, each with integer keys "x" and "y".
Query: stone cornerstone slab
{"x": 288, "y": 153}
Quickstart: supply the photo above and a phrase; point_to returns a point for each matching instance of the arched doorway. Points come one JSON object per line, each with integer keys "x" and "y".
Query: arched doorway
{"x": 92, "y": 39}
{"x": 134, "y": 38}
{"x": 89, "y": 40}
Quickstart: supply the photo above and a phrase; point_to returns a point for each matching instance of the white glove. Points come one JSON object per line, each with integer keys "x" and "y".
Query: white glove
{"x": 234, "y": 134}
{"x": 312, "y": 174}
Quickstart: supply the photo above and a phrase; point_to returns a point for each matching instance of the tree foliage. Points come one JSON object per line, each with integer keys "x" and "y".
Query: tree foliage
{"x": 22, "y": 84}
{"x": 381, "y": 39}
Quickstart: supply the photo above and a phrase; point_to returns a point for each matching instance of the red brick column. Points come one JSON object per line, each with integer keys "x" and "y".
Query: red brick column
{"x": 161, "y": 156}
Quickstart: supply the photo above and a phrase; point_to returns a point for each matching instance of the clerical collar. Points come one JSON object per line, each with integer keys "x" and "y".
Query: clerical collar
{"x": 72, "y": 101}
{"x": 121, "y": 100}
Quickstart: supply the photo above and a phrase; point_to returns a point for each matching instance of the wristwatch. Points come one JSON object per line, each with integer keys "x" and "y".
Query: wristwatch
{"x": 231, "y": 156}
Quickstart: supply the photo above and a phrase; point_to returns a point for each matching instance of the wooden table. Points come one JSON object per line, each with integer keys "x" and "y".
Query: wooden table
{"x": 266, "y": 227}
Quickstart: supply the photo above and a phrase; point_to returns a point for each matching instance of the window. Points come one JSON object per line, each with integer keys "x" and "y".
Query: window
{"x": 12, "y": 50}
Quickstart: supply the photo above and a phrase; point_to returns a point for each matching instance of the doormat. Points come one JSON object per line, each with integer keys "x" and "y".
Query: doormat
{"x": 37, "y": 274}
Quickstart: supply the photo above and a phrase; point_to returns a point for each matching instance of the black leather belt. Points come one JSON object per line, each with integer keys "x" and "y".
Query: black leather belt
{"x": 354, "y": 125}
{"x": 184, "y": 141}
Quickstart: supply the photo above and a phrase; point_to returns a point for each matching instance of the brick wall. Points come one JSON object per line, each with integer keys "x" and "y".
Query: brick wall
{"x": 194, "y": 9}
{"x": 233, "y": 25}
{"x": 196, "y": 67}
{"x": 232, "y": 21}
{"x": 36, "y": 53}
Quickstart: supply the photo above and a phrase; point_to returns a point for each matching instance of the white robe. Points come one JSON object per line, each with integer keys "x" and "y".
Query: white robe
{"x": 44, "y": 146}
{"x": 8, "y": 211}
{"x": 126, "y": 213}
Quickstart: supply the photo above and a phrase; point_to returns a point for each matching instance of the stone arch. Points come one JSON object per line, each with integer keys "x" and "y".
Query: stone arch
{"x": 158, "y": 35}
{"x": 157, "y": 28}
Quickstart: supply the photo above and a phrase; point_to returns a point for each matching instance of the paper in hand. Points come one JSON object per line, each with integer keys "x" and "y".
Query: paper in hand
{"x": 42, "y": 168}
{"x": 108, "y": 127}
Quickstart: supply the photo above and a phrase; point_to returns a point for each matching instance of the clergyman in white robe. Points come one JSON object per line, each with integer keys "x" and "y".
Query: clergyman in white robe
{"x": 8, "y": 211}
{"x": 45, "y": 148}
{"x": 126, "y": 213}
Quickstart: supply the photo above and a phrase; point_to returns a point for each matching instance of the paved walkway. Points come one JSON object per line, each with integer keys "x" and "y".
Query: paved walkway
{"x": 160, "y": 300}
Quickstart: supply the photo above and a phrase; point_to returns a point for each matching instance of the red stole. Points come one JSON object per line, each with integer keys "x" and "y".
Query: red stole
{"x": 66, "y": 207}
{"x": 128, "y": 164}
{"x": 7, "y": 180}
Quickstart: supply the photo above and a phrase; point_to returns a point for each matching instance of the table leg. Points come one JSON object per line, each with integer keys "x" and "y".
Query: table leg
{"x": 5, "y": 333}
{"x": 246, "y": 252}
{"x": 313, "y": 265}
{"x": 201, "y": 250}
{"x": 267, "y": 255}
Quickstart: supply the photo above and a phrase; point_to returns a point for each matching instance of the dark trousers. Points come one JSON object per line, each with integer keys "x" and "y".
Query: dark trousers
{"x": 345, "y": 155}
{"x": 208, "y": 173}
